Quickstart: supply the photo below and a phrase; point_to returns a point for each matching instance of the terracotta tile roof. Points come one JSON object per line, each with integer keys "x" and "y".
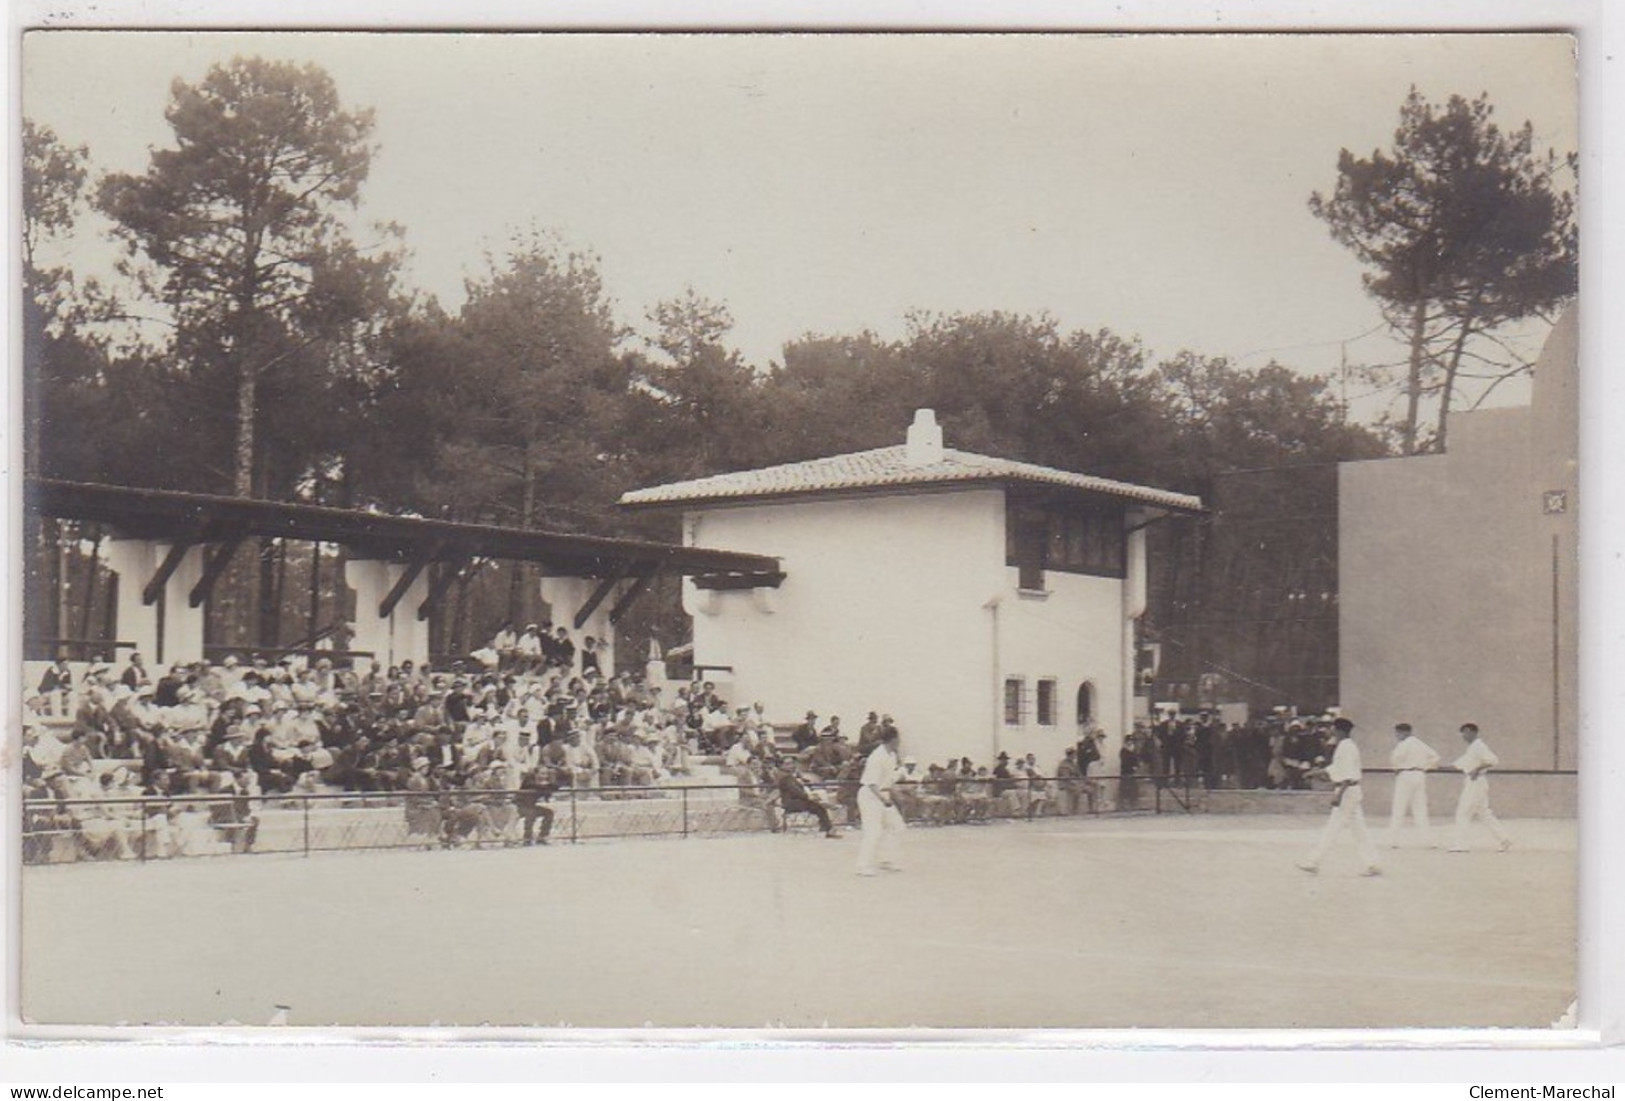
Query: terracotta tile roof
{"x": 885, "y": 468}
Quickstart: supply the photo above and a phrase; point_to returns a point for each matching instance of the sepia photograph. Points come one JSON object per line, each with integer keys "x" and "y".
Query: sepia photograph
{"x": 799, "y": 531}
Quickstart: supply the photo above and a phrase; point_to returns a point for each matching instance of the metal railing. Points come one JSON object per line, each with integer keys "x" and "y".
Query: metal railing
{"x": 75, "y": 649}
{"x": 61, "y": 831}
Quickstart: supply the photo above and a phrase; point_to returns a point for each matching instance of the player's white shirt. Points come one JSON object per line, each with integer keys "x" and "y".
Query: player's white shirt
{"x": 1413, "y": 752}
{"x": 1345, "y": 767}
{"x": 1477, "y": 755}
{"x": 880, "y": 769}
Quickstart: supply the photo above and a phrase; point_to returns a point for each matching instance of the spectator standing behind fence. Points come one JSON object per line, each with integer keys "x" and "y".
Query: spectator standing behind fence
{"x": 1474, "y": 765}
{"x": 1128, "y": 763}
{"x": 869, "y": 734}
{"x": 882, "y": 822}
{"x": 1411, "y": 761}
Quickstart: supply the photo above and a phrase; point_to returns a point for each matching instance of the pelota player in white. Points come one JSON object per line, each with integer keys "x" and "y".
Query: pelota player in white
{"x": 1345, "y": 771}
{"x": 1474, "y": 764}
{"x": 882, "y": 822}
{"x": 1412, "y": 759}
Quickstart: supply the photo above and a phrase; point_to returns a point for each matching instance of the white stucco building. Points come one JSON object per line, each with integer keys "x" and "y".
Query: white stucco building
{"x": 985, "y": 604}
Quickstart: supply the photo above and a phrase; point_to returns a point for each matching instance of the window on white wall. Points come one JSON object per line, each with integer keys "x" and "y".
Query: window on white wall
{"x": 1015, "y": 701}
{"x": 1046, "y": 702}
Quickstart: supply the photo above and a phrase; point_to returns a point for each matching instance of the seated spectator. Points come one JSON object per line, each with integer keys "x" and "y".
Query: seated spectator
{"x": 739, "y": 763}
{"x": 135, "y": 674}
{"x": 56, "y": 686}
{"x": 105, "y": 829}
{"x": 42, "y": 752}
{"x": 581, "y": 763}
{"x": 945, "y": 786}
{"x": 535, "y": 789}
{"x": 977, "y": 792}
{"x": 422, "y": 805}
{"x": 77, "y": 759}
{"x": 1037, "y": 787}
{"x": 827, "y": 757}
{"x": 528, "y": 650}
{"x": 913, "y": 802}
{"x": 795, "y": 798}
{"x": 806, "y": 735}
{"x": 234, "y": 819}
{"x": 589, "y": 657}
{"x": 467, "y": 815}
{"x": 564, "y": 651}
{"x": 506, "y": 645}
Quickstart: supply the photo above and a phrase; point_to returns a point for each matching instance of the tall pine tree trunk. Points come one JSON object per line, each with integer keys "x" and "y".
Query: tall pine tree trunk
{"x": 1413, "y": 384}
{"x": 242, "y": 467}
{"x": 1451, "y": 367}
{"x": 518, "y": 596}
{"x": 314, "y": 620}
{"x": 92, "y": 567}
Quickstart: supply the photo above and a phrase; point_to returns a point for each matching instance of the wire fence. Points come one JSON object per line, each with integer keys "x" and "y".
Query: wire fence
{"x": 65, "y": 831}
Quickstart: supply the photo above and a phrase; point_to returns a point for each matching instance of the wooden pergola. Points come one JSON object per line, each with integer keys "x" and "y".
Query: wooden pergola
{"x": 214, "y": 527}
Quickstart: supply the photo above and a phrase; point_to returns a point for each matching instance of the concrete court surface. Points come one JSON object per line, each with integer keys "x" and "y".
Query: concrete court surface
{"x": 1178, "y": 922}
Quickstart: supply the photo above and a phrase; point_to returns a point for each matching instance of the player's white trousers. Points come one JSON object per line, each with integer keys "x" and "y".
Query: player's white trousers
{"x": 1410, "y": 797}
{"x": 882, "y": 831}
{"x": 1350, "y": 811}
{"x": 1474, "y": 803}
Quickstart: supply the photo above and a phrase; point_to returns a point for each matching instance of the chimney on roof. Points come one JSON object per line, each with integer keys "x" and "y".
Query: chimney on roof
{"x": 924, "y": 440}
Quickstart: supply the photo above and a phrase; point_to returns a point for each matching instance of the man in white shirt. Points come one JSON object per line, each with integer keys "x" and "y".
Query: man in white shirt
{"x": 882, "y": 821}
{"x": 1411, "y": 760}
{"x": 1474, "y": 763}
{"x": 1344, "y": 772}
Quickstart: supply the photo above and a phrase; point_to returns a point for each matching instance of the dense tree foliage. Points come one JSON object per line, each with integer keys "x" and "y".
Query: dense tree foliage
{"x": 1464, "y": 228}
{"x": 237, "y": 231}
{"x": 295, "y": 370}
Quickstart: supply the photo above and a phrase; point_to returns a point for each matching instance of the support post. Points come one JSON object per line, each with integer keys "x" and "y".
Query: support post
{"x": 132, "y": 559}
{"x": 624, "y": 603}
{"x": 395, "y": 637}
{"x": 216, "y": 564}
{"x": 386, "y": 607}
{"x": 449, "y": 573}
{"x": 598, "y": 596}
{"x": 155, "y": 585}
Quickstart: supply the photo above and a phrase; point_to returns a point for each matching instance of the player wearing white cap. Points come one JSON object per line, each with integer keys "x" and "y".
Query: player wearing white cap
{"x": 1411, "y": 760}
{"x": 1474, "y": 763}
{"x": 1345, "y": 771}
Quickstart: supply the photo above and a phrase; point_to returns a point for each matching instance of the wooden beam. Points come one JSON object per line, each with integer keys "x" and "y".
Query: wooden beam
{"x": 166, "y": 570}
{"x": 449, "y": 573}
{"x": 728, "y": 582}
{"x": 603, "y": 590}
{"x": 630, "y": 596}
{"x": 398, "y": 590}
{"x": 219, "y": 559}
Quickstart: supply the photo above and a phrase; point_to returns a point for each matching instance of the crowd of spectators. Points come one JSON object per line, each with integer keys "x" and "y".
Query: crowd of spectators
{"x": 1278, "y": 752}
{"x": 821, "y": 764}
{"x": 478, "y": 750}
{"x": 472, "y": 747}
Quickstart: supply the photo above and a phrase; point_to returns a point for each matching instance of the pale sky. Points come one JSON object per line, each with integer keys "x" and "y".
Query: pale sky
{"x": 1156, "y": 186}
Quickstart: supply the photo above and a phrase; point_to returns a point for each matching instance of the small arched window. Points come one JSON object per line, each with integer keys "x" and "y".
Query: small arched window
{"x": 1086, "y": 703}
